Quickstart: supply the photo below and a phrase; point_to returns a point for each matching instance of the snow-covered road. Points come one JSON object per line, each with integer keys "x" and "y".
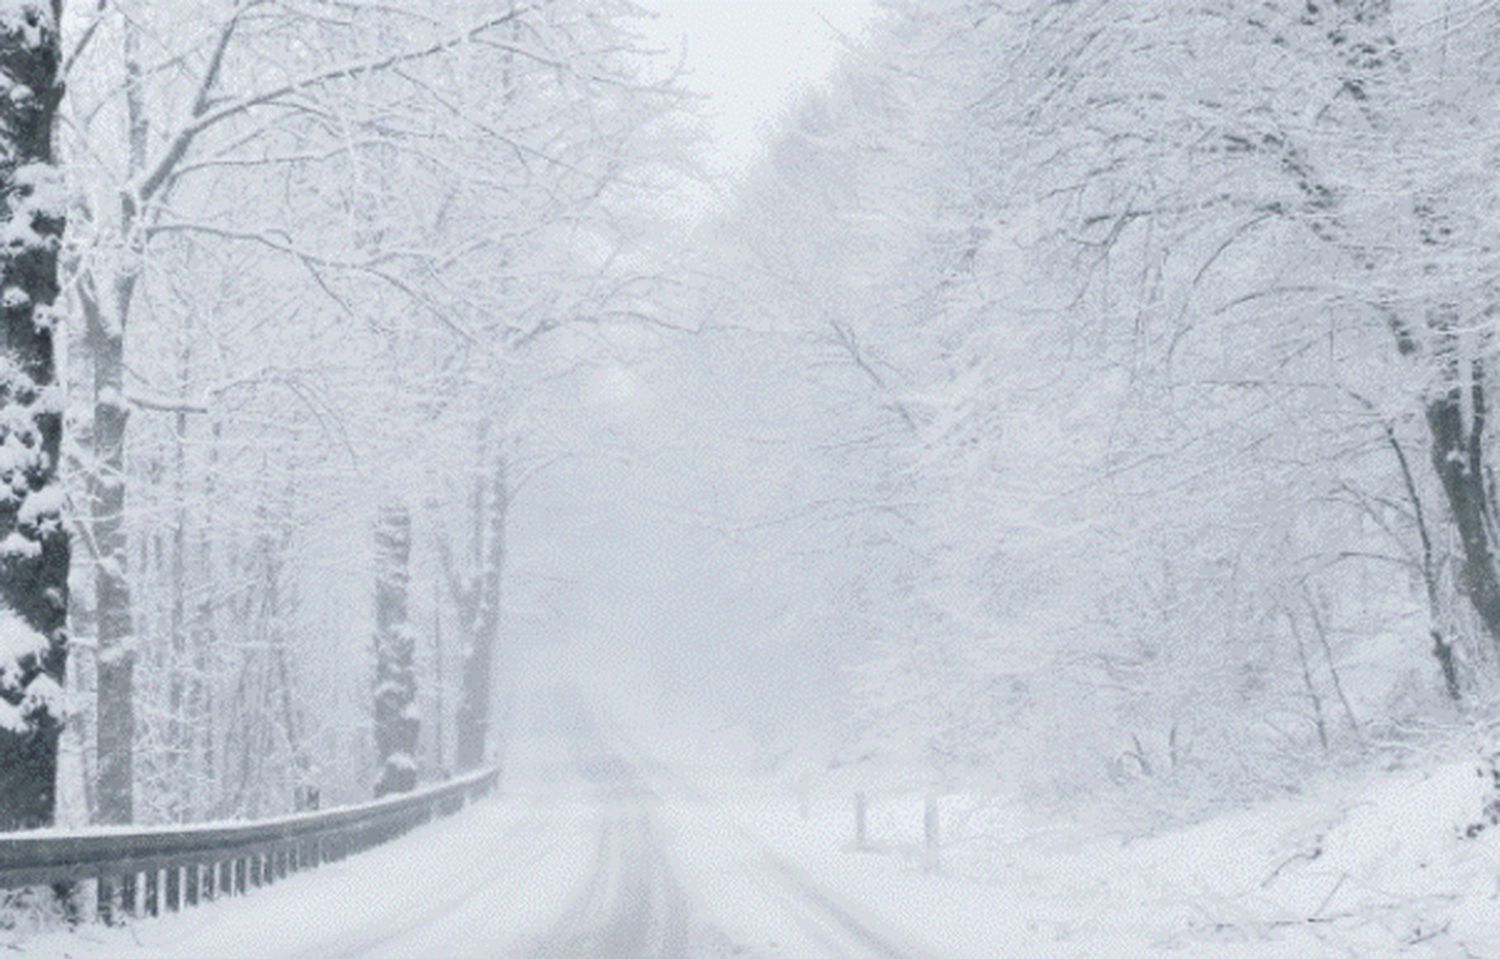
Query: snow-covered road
{"x": 594, "y": 850}
{"x": 588, "y": 854}
{"x": 670, "y": 875}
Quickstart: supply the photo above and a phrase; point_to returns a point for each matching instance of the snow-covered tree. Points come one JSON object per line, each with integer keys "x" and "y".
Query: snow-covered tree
{"x": 1151, "y": 380}
{"x": 396, "y": 717}
{"x": 312, "y": 241}
{"x": 34, "y": 547}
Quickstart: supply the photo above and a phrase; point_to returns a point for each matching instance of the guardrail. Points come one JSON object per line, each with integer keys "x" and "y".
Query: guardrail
{"x": 145, "y": 870}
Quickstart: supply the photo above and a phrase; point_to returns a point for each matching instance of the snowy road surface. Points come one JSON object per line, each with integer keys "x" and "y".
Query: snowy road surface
{"x": 595, "y": 851}
{"x": 585, "y": 856}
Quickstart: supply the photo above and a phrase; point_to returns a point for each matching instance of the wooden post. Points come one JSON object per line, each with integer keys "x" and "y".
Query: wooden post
{"x": 861, "y": 804}
{"x": 153, "y": 891}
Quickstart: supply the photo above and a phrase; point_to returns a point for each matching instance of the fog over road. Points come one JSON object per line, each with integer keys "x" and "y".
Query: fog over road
{"x": 657, "y": 871}
{"x": 638, "y": 901}
{"x": 591, "y": 851}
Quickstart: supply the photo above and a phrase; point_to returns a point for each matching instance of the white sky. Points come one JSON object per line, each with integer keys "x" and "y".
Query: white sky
{"x": 752, "y": 57}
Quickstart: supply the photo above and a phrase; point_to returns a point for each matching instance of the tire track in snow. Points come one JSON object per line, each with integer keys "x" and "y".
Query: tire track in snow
{"x": 815, "y": 908}
{"x": 631, "y": 905}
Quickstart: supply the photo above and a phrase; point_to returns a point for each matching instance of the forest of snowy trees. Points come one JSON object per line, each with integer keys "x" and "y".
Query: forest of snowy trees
{"x": 315, "y": 253}
{"x": 1098, "y": 394}
{"x": 1148, "y": 354}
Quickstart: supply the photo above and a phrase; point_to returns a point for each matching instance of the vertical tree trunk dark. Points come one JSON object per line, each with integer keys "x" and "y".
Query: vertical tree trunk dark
{"x": 1458, "y": 458}
{"x": 1442, "y": 646}
{"x": 396, "y": 722}
{"x": 34, "y": 549}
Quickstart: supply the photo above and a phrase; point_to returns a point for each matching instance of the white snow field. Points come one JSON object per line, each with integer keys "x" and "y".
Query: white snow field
{"x": 1383, "y": 870}
{"x": 595, "y": 851}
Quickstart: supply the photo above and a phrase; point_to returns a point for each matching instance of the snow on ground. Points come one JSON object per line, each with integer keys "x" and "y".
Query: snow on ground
{"x": 1377, "y": 870}
{"x": 490, "y": 873}
{"x": 1374, "y": 869}
{"x": 362, "y": 905}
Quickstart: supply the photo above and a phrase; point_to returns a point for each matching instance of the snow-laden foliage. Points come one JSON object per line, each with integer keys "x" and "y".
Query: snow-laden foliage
{"x": 1158, "y": 348}
{"x": 1092, "y": 394}
{"x": 317, "y": 250}
{"x": 34, "y": 551}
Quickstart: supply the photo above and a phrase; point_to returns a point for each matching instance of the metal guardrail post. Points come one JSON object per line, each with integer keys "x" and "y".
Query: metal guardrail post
{"x": 104, "y": 899}
{"x": 152, "y": 905}
{"x": 174, "y": 888}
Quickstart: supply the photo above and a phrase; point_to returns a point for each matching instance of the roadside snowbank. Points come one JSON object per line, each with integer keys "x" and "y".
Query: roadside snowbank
{"x": 1379, "y": 868}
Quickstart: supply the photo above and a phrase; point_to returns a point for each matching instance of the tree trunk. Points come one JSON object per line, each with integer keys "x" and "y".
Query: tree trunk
{"x": 1442, "y": 646}
{"x": 476, "y": 708}
{"x": 34, "y": 548}
{"x": 117, "y": 651}
{"x": 184, "y": 779}
{"x": 439, "y": 688}
{"x": 205, "y": 638}
{"x": 1458, "y": 458}
{"x": 107, "y": 480}
{"x": 396, "y": 723}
